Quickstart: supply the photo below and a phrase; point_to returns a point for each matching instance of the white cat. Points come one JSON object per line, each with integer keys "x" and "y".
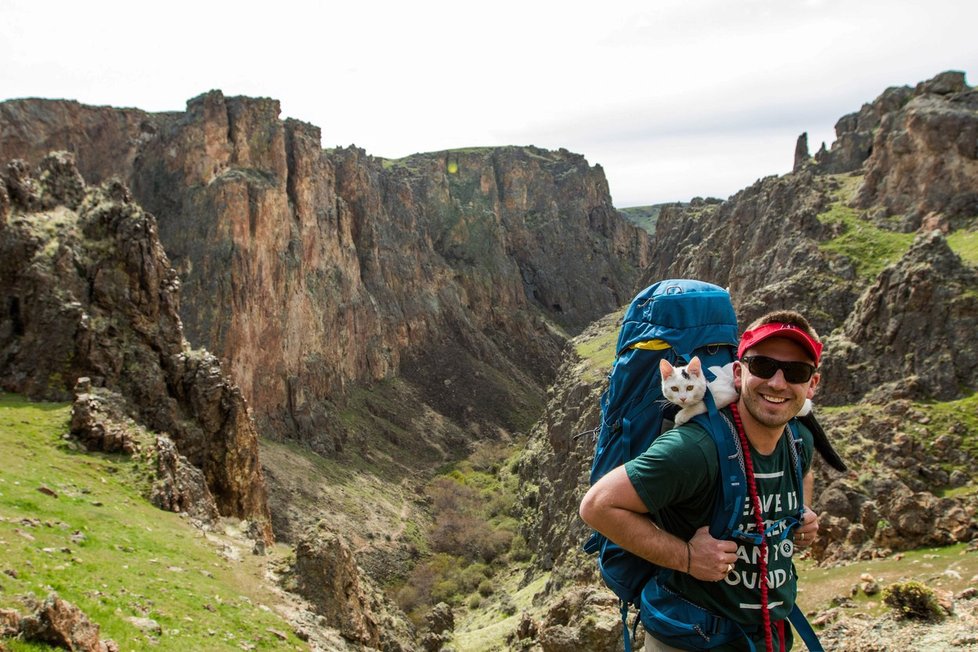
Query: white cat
{"x": 686, "y": 386}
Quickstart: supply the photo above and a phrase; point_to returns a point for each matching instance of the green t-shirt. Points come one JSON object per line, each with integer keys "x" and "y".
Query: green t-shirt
{"x": 677, "y": 479}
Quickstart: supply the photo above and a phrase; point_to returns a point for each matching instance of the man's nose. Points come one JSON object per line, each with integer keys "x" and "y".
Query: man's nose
{"x": 778, "y": 380}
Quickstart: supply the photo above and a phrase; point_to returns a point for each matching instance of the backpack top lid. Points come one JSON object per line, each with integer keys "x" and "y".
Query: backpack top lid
{"x": 686, "y": 314}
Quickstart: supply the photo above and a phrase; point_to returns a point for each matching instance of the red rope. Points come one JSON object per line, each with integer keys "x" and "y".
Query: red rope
{"x": 752, "y": 487}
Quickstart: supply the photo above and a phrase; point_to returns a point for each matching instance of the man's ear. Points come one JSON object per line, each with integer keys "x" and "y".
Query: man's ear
{"x": 738, "y": 373}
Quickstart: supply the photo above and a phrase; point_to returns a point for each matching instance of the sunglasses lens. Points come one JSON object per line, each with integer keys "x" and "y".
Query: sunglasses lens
{"x": 794, "y": 372}
{"x": 797, "y": 372}
{"x": 762, "y": 367}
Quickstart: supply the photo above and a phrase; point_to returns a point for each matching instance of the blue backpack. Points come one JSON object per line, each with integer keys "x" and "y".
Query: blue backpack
{"x": 674, "y": 319}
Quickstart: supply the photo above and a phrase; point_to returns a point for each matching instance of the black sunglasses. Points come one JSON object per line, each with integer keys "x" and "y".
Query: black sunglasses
{"x": 765, "y": 367}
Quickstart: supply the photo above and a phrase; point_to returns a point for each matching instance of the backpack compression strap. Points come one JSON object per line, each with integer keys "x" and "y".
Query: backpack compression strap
{"x": 733, "y": 491}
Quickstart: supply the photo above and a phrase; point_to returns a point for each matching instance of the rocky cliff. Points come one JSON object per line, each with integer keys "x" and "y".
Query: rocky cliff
{"x": 89, "y": 293}
{"x": 838, "y": 213}
{"x": 309, "y": 272}
{"x": 385, "y": 313}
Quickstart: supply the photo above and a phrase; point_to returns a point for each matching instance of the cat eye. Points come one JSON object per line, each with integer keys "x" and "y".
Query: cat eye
{"x": 765, "y": 367}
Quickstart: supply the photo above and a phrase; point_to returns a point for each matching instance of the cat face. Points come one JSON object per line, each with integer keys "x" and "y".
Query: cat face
{"x": 682, "y": 385}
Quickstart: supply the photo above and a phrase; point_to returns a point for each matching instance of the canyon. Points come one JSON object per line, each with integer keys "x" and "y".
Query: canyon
{"x": 216, "y": 275}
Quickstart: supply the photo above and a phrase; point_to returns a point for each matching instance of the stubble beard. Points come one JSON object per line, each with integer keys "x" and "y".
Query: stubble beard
{"x": 761, "y": 410}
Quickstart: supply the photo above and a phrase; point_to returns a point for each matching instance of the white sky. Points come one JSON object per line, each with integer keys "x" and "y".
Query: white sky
{"x": 673, "y": 98}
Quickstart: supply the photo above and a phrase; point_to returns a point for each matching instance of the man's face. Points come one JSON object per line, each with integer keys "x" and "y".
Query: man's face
{"x": 773, "y": 401}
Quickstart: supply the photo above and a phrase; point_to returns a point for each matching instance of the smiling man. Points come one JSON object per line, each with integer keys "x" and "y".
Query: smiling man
{"x": 659, "y": 504}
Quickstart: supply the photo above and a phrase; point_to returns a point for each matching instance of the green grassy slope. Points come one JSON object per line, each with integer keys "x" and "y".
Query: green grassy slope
{"x": 77, "y": 524}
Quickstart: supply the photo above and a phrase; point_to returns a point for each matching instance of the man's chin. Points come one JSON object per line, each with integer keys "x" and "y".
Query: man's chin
{"x": 773, "y": 415}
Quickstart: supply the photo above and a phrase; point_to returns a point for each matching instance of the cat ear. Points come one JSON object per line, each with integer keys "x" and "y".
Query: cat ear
{"x": 665, "y": 369}
{"x": 694, "y": 366}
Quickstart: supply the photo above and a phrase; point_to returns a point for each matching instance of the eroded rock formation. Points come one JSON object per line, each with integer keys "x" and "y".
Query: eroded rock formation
{"x": 326, "y": 574}
{"x": 308, "y": 272}
{"x": 89, "y": 292}
{"x": 925, "y": 155}
{"x": 911, "y": 334}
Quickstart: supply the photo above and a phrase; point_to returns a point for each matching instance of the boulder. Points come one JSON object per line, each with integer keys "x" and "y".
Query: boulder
{"x": 60, "y": 623}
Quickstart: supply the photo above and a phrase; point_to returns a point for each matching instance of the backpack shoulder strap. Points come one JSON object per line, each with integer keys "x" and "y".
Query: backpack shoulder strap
{"x": 797, "y": 617}
{"x": 797, "y": 447}
{"x": 733, "y": 485}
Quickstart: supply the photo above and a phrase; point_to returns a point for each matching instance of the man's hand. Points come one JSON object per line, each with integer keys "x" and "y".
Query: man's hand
{"x": 711, "y": 559}
{"x": 808, "y": 530}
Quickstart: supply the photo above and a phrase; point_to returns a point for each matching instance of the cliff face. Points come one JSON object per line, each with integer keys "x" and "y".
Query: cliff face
{"x": 89, "y": 292}
{"x": 911, "y": 334}
{"x": 925, "y": 155}
{"x": 310, "y": 271}
{"x": 915, "y": 152}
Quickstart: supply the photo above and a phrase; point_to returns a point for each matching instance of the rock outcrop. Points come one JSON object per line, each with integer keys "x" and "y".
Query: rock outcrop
{"x": 59, "y": 623}
{"x": 730, "y": 244}
{"x": 580, "y": 620}
{"x": 918, "y": 147}
{"x": 854, "y": 133}
{"x": 310, "y": 272}
{"x": 801, "y": 152}
{"x": 89, "y": 292}
{"x": 325, "y": 573}
{"x": 911, "y": 334}
{"x": 925, "y": 155}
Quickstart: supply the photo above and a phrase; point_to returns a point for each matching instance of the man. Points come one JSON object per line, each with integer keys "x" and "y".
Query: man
{"x": 659, "y": 505}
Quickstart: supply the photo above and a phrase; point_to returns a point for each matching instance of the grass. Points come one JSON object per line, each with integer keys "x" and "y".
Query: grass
{"x": 597, "y": 347}
{"x": 869, "y": 247}
{"x": 949, "y": 569}
{"x": 487, "y": 629}
{"x": 644, "y": 217}
{"x": 965, "y": 244}
{"x": 102, "y": 546}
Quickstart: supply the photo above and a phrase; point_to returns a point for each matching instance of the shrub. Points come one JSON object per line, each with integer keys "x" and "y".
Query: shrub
{"x": 519, "y": 550}
{"x": 507, "y": 606}
{"x": 461, "y": 528}
{"x": 473, "y": 575}
{"x": 913, "y": 600}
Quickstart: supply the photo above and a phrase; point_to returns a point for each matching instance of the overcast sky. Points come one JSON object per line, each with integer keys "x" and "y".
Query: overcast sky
{"x": 673, "y": 98}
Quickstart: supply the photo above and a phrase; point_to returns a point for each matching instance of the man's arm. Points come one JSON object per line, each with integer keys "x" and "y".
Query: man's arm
{"x": 613, "y": 508}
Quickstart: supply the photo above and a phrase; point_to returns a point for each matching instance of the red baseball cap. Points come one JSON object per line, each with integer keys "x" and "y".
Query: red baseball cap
{"x": 780, "y": 329}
